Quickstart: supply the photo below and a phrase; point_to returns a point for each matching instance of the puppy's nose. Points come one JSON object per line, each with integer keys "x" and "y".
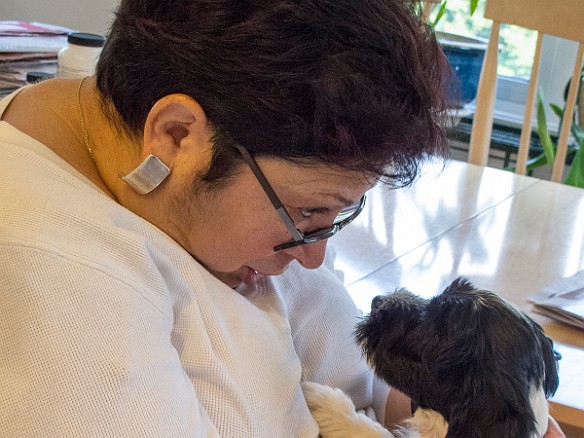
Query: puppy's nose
{"x": 376, "y": 302}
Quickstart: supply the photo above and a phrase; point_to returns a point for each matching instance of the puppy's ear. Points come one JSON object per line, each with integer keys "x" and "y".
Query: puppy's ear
{"x": 550, "y": 359}
{"x": 456, "y": 319}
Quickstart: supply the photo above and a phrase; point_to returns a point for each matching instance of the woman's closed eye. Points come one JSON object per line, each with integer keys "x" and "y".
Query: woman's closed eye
{"x": 308, "y": 212}
{"x": 310, "y": 219}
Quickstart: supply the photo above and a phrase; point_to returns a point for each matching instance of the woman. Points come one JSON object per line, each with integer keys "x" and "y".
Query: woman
{"x": 157, "y": 219}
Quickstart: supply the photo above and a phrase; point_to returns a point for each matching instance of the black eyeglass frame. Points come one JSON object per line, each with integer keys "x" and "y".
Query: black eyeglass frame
{"x": 298, "y": 237}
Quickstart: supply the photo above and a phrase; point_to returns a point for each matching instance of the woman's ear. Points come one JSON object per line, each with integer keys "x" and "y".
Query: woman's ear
{"x": 175, "y": 122}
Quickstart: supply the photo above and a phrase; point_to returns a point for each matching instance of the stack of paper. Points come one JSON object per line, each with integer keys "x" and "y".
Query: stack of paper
{"x": 26, "y": 47}
{"x": 562, "y": 300}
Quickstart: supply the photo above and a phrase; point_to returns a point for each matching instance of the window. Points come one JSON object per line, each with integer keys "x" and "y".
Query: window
{"x": 516, "y": 55}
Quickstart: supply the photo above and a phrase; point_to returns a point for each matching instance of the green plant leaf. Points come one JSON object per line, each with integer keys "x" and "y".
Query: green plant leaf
{"x": 536, "y": 162}
{"x": 440, "y": 13}
{"x": 531, "y": 164}
{"x": 557, "y": 110}
{"x": 473, "y": 6}
{"x": 575, "y": 175}
{"x": 544, "y": 135}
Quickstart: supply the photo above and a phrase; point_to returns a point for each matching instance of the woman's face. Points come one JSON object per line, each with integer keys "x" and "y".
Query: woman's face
{"x": 232, "y": 231}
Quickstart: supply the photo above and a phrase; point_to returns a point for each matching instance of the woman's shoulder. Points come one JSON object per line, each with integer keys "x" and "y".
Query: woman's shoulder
{"x": 46, "y": 112}
{"x": 32, "y": 98}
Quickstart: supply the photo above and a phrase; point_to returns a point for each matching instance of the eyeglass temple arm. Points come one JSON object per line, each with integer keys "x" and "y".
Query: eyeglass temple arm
{"x": 297, "y": 235}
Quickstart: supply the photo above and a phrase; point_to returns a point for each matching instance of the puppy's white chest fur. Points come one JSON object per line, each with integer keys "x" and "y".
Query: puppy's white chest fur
{"x": 426, "y": 424}
{"x": 335, "y": 414}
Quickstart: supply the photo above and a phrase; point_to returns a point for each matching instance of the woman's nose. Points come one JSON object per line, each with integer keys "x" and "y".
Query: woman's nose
{"x": 311, "y": 255}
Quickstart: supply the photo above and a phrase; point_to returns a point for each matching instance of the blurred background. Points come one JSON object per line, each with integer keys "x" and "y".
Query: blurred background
{"x": 83, "y": 15}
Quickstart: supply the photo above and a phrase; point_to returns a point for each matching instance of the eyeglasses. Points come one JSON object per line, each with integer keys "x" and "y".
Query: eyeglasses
{"x": 344, "y": 218}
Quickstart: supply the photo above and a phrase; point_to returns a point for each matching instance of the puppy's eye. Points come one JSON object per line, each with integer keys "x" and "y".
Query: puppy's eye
{"x": 305, "y": 212}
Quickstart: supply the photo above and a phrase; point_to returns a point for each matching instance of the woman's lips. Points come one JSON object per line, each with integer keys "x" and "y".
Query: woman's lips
{"x": 251, "y": 276}
{"x": 248, "y": 275}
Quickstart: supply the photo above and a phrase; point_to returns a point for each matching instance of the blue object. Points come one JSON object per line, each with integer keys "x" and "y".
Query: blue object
{"x": 465, "y": 55}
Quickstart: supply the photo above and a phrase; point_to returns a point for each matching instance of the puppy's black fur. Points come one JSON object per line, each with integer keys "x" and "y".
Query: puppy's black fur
{"x": 466, "y": 353}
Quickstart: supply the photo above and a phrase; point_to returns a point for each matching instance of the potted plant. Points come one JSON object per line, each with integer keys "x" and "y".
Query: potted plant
{"x": 575, "y": 175}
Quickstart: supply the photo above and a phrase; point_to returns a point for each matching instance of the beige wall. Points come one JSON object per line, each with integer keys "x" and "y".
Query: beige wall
{"x": 92, "y": 16}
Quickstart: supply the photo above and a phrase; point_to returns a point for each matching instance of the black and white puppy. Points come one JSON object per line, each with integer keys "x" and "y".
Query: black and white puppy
{"x": 474, "y": 365}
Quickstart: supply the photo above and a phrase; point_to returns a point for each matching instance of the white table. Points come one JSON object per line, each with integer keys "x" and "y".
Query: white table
{"x": 507, "y": 233}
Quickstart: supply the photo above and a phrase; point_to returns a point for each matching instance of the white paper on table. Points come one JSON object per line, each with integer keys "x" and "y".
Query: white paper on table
{"x": 562, "y": 300}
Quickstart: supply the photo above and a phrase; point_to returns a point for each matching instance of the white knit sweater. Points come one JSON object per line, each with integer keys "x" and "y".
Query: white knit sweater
{"x": 108, "y": 328}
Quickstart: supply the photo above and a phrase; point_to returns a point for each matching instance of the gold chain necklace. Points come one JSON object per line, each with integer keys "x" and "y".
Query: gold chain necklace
{"x": 85, "y": 133}
{"x": 86, "y": 136}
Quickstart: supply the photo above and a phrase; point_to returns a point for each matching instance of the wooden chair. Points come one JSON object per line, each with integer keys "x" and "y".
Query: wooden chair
{"x": 561, "y": 18}
{"x": 428, "y": 5}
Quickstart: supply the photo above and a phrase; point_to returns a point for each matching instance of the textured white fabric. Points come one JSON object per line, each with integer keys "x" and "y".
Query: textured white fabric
{"x": 108, "y": 328}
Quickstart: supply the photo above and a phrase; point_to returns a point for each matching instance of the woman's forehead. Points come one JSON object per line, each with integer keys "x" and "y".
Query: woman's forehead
{"x": 316, "y": 180}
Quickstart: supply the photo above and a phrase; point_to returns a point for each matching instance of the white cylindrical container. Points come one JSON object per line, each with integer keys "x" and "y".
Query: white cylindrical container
{"x": 79, "y": 57}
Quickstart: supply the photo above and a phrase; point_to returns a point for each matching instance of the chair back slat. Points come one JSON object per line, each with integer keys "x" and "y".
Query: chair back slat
{"x": 482, "y": 125}
{"x": 525, "y": 140}
{"x": 428, "y": 5}
{"x": 562, "y": 18}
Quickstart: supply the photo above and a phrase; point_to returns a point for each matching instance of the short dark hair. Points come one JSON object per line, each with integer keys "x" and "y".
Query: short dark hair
{"x": 352, "y": 83}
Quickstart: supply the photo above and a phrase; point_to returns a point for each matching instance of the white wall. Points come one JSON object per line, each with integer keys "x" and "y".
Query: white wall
{"x": 93, "y": 16}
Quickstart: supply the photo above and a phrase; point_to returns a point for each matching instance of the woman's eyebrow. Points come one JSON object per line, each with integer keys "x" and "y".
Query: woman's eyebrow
{"x": 344, "y": 201}
{"x": 316, "y": 210}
